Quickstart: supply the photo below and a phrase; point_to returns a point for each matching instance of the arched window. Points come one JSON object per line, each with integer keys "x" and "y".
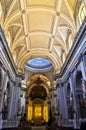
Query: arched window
{"x": 0, "y": 11}
{"x": 63, "y": 57}
{"x": 14, "y": 56}
{"x": 70, "y": 41}
{"x": 82, "y": 13}
{"x": 8, "y": 37}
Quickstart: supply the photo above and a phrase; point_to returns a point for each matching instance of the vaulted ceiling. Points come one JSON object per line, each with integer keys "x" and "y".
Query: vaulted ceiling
{"x": 38, "y": 28}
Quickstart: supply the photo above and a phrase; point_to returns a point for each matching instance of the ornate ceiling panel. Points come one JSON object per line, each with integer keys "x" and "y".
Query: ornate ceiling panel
{"x": 38, "y": 28}
{"x": 40, "y": 21}
{"x": 38, "y": 40}
{"x": 44, "y": 3}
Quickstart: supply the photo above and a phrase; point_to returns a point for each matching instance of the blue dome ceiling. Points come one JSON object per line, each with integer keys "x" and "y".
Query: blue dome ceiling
{"x": 39, "y": 62}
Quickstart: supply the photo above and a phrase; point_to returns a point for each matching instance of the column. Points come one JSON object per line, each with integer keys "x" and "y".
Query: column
{"x": 1, "y": 80}
{"x": 15, "y": 102}
{"x": 73, "y": 83}
{"x": 3, "y": 86}
{"x": 10, "y": 116}
{"x": 49, "y": 106}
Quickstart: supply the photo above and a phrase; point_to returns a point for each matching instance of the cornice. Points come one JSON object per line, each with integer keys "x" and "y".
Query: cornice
{"x": 6, "y": 51}
{"x": 6, "y": 48}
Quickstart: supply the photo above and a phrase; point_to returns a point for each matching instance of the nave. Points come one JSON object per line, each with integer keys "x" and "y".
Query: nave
{"x": 42, "y": 64}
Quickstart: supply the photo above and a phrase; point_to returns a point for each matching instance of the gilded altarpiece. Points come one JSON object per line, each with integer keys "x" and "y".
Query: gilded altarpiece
{"x": 38, "y": 111}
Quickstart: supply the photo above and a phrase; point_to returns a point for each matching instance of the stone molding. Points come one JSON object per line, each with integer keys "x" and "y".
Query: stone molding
{"x": 6, "y": 58}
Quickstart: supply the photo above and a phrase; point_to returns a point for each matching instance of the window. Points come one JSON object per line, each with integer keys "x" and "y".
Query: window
{"x": 82, "y": 13}
{"x": 63, "y": 57}
{"x": 70, "y": 41}
{"x": 0, "y": 10}
{"x": 8, "y": 37}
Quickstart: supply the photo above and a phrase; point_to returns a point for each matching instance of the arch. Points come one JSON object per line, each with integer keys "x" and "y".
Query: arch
{"x": 38, "y": 91}
{"x": 17, "y": 42}
{"x": 69, "y": 101}
{"x": 19, "y": 85}
{"x": 82, "y": 13}
{"x": 31, "y": 82}
{"x": 79, "y": 80}
{"x": 70, "y": 40}
{"x": 53, "y": 58}
{"x": 63, "y": 57}
{"x": 0, "y": 10}
{"x": 68, "y": 89}
{"x": 46, "y": 87}
{"x": 6, "y": 102}
{"x": 79, "y": 96}
{"x": 68, "y": 20}
{"x": 34, "y": 76}
{"x": 11, "y": 18}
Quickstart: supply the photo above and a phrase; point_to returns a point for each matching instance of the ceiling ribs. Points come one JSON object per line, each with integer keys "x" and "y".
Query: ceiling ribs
{"x": 25, "y": 22}
{"x": 58, "y": 7}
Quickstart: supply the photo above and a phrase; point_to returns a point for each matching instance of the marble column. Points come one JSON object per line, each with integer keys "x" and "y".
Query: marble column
{"x": 3, "y": 86}
{"x": 10, "y": 116}
{"x": 73, "y": 83}
{"x": 0, "y": 97}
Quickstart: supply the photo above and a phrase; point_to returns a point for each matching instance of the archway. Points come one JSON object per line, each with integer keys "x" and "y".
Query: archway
{"x": 69, "y": 102}
{"x": 38, "y": 107}
{"x": 79, "y": 95}
{"x": 6, "y": 102}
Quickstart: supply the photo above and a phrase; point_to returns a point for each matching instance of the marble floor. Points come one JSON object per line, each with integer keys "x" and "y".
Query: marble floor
{"x": 38, "y": 128}
{"x": 43, "y": 128}
{"x": 34, "y": 128}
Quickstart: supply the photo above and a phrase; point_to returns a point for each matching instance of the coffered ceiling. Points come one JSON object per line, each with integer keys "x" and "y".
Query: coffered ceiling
{"x": 38, "y": 28}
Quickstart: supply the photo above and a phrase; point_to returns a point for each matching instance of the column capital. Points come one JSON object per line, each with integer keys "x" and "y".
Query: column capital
{"x": 17, "y": 84}
{"x": 2, "y": 67}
